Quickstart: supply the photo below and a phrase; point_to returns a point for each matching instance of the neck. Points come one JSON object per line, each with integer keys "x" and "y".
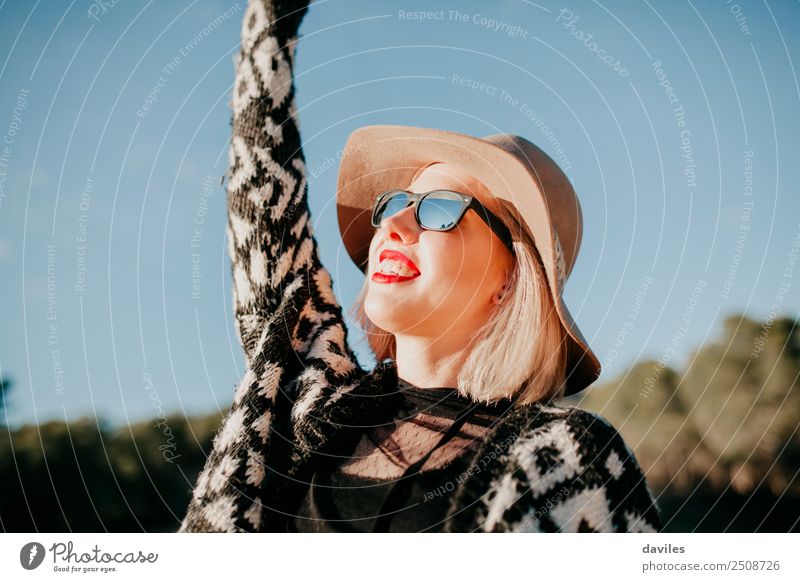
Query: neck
{"x": 430, "y": 362}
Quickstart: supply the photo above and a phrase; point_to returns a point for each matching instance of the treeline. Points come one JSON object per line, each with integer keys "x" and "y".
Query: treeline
{"x": 83, "y": 476}
{"x": 718, "y": 440}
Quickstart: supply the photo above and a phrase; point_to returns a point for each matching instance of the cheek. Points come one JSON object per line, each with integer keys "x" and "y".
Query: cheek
{"x": 461, "y": 266}
{"x": 443, "y": 255}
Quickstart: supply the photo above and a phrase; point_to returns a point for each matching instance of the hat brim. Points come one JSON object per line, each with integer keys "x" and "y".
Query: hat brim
{"x": 377, "y": 158}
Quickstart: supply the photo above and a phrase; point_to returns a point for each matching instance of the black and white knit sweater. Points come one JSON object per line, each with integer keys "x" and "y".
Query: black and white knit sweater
{"x": 304, "y": 395}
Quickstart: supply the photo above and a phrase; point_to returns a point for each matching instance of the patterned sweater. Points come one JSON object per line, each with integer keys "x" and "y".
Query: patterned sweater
{"x": 304, "y": 396}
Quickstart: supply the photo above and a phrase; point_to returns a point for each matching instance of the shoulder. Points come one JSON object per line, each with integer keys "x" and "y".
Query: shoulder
{"x": 562, "y": 441}
{"x": 580, "y": 433}
{"x": 574, "y": 431}
{"x": 575, "y": 472}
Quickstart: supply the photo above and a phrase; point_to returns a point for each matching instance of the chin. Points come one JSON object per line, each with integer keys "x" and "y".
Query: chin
{"x": 388, "y": 311}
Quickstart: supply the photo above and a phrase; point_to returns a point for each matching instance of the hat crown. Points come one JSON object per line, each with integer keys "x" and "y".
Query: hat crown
{"x": 556, "y": 189}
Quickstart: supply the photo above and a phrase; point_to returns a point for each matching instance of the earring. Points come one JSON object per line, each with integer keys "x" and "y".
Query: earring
{"x": 500, "y": 294}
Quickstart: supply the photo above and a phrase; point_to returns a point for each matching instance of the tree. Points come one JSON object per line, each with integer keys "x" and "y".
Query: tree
{"x": 727, "y": 425}
{"x": 5, "y": 387}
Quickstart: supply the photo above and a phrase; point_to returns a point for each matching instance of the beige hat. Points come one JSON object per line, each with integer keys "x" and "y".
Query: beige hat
{"x": 377, "y": 158}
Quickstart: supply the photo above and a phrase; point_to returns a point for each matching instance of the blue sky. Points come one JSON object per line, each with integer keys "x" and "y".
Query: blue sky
{"x": 110, "y": 203}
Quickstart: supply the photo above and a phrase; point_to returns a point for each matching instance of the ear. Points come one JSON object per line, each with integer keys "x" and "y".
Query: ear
{"x": 497, "y": 297}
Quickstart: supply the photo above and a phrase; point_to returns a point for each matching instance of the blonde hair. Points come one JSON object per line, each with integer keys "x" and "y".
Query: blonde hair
{"x": 520, "y": 349}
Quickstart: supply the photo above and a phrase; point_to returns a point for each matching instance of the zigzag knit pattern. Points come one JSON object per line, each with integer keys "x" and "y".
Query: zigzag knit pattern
{"x": 304, "y": 395}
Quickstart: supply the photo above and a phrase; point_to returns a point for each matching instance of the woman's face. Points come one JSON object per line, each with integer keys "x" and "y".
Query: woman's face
{"x": 451, "y": 282}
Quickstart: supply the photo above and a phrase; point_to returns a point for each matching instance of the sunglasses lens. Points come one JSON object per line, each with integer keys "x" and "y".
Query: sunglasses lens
{"x": 440, "y": 210}
{"x": 391, "y": 205}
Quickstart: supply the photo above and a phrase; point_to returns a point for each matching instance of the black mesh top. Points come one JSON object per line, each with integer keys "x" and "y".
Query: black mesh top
{"x": 349, "y": 497}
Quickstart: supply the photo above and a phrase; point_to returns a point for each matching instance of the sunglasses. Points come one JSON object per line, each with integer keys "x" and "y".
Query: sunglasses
{"x": 439, "y": 210}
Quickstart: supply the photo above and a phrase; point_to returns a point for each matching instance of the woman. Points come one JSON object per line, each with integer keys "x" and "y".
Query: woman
{"x": 455, "y": 429}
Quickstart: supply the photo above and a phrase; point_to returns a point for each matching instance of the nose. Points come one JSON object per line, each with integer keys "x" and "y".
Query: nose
{"x": 401, "y": 226}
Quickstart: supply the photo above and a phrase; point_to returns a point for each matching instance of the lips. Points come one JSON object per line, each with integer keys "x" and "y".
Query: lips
{"x": 400, "y": 269}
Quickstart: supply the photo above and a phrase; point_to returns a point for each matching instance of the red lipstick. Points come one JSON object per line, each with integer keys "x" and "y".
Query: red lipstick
{"x": 388, "y": 254}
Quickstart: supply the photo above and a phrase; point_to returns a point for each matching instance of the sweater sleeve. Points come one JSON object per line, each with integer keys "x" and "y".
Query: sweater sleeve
{"x": 288, "y": 320}
{"x": 270, "y": 239}
{"x": 581, "y": 477}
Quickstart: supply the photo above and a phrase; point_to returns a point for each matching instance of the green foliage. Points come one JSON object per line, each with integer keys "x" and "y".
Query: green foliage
{"x": 726, "y": 425}
{"x": 82, "y": 476}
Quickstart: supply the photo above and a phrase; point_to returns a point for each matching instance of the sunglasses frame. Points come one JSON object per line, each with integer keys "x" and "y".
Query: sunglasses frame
{"x": 492, "y": 221}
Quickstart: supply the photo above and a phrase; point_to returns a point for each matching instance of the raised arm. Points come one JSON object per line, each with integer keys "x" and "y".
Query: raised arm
{"x": 288, "y": 320}
{"x": 270, "y": 237}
